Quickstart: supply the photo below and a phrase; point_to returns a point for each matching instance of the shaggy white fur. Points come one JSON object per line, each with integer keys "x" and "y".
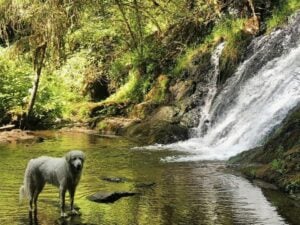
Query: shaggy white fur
{"x": 62, "y": 172}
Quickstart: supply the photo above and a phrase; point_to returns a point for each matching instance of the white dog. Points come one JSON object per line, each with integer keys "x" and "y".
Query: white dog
{"x": 62, "y": 172}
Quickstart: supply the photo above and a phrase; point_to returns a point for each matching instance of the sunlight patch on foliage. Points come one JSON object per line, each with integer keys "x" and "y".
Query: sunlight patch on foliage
{"x": 128, "y": 90}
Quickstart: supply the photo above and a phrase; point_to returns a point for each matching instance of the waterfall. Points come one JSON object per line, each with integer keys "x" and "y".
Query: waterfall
{"x": 256, "y": 99}
{"x": 258, "y": 104}
{"x": 212, "y": 91}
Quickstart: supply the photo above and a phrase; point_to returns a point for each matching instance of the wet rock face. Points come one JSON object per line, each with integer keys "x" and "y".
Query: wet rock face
{"x": 182, "y": 89}
{"x": 265, "y": 48}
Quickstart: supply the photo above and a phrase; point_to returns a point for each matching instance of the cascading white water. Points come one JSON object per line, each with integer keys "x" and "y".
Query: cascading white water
{"x": 246, "y": 110}
{"x": 212, "y": 91}
{"x": 260, "y": 103}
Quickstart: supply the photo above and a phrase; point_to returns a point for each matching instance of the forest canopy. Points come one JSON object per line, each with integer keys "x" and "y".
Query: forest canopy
{"x": 60, "y": 58}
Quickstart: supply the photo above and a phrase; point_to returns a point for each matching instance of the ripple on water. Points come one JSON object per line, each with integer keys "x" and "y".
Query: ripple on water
{"x": 185, "y": 193}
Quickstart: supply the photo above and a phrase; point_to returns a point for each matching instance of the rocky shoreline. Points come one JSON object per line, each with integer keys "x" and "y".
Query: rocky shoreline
{"x": 19, "y": 136}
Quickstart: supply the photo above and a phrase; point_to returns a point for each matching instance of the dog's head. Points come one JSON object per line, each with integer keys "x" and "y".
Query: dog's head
{"x": 75, "y": 159}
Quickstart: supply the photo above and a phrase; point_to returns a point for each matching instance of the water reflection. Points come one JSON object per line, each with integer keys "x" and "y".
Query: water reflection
{"x": 184, "y": 193}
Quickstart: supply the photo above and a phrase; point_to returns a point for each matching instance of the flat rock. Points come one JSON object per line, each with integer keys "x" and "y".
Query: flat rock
{"x": 109, "y": 197}
{"x": 114, "y": 179}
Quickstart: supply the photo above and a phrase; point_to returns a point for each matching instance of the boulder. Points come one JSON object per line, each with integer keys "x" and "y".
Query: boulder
{"x": 156, "y": 131}
{"x": 182, "y": 90}
{"x": 114, "y": 125}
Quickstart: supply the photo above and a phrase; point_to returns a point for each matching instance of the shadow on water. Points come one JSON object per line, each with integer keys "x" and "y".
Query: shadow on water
{"x": 33, "y": 219}
{"x": 169, "y": 193}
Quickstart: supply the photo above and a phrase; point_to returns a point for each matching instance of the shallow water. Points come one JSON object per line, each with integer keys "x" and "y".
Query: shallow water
{"x": 184, "y": 193}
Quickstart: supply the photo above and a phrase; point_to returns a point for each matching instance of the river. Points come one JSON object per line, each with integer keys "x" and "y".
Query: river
{"x": 184, "y": 192}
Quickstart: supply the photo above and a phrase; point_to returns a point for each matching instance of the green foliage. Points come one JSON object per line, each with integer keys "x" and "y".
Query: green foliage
{"x": 61, "y": 91}
{"x": 278, "y": 165}
{"x": 281, "y": 13}
{"x": 15, "y": 83}
{"x": 132, "y": 91}
{"x": 126, "y": 43}
{"x": 202, "y": 51}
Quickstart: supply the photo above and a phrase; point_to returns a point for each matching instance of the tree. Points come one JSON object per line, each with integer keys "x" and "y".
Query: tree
{"x": 38, "y": 27}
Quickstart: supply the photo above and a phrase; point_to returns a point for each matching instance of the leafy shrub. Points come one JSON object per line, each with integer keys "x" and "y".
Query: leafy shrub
{"x": 15, "y": 84}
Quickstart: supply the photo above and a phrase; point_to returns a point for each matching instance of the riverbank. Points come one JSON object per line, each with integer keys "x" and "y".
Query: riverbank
{"x": 19, "y": 136}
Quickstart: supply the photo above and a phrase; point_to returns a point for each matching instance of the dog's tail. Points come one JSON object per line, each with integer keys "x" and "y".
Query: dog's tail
{"x": 22, "y": 193}
{"x": 24, "y": 189}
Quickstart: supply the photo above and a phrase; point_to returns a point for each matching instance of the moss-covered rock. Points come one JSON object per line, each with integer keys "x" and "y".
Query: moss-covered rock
{"x": 158, "y": 93}
{"x": 114, "y": 125}
{"x": 156, "y": 131}
{"x": 182, "y": 89}
{"x": 142, "y": 110}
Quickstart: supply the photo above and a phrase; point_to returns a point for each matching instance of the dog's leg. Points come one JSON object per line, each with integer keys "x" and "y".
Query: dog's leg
{"x": 62, "y": 193}
{"x": 72, "y": 194}
{"x": 37, "y": 191}
{"x": 30, "y": 204}
{"x": 31, "y": 194}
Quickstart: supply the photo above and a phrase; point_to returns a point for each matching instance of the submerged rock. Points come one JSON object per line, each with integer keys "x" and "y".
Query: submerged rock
{"x": 145, "y": 185}
{"x": 109, "y": 197}
{"x": 114, "y": 179}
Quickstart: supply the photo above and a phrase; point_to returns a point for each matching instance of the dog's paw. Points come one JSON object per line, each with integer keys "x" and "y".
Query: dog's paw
{"x": 63, "y": 215}
{"x": 75, "y": 212}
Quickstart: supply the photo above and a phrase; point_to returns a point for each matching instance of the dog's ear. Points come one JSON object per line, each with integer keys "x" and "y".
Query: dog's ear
{"x": 83, "y": 156}
{"x": 68, "y": 156}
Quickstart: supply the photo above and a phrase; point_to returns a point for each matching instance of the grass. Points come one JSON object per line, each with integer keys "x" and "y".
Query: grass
{"x": 129, "y": 91}
{"x": 281, "y": 13}
{"x": 228, "y": 30}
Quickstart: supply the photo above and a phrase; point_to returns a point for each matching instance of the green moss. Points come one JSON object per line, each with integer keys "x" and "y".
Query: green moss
{"x": 278, "y": 165}
{"x": 281, "y": 13}
{"x": 102, "y": 125}
{"x": 250, "y": 171}
{"x": 158, "y": 92}
{"x": 128, "y": 90}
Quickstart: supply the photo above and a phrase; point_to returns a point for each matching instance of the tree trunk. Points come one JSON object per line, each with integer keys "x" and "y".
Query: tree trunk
{"x": 133, "y": 37}
{"x": 39, "y": 57}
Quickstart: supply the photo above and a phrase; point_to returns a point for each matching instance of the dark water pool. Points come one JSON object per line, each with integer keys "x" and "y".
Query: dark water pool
{"x": 184, "y": 193}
